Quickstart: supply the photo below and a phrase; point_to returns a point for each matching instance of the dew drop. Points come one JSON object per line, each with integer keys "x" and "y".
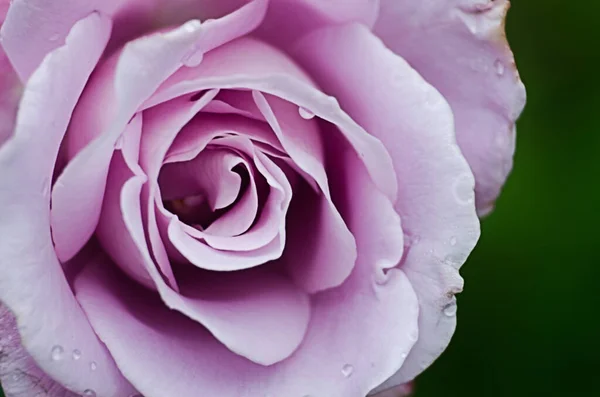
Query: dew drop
{"x": 347, "y": 370}
{"x": 76, "y": 354}
{"x": 194, "y": 58}
{"x": 333, "y": 102}
{"x": 463, "y": 189}
{"x": 499, "y": 67}
{"x": 414, "y": 335}
{"x": 453, "y": 241}
{"x": 450, "y": 309}
{"x": 192, "y": 26}
{"x": 93, "y": 366}
{"x": 89, "y": 392}
{"x": 305, "y": 113}
{"x": 54, "y": 37}
{"x": 57, "y": 353}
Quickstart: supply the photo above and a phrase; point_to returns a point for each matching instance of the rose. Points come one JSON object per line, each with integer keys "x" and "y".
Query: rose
{"x": 268, "y": 202}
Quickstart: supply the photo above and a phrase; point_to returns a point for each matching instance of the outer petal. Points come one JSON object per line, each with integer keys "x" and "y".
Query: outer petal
{"x": 346, "y": 323}
{"x": 139, "y": 69}
{"x": 435, "y": 198}
{"x": 19, "y": 374}
{"x": 32, "y": 282}
{"x": 460, "y": 47}
{"x": 287, "y": 20}
{"x": 33, "y": 28}
{"x": 10, "y": 88}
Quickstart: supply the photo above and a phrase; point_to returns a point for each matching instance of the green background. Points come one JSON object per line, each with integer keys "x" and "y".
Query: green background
{"x": 529, "y": 318}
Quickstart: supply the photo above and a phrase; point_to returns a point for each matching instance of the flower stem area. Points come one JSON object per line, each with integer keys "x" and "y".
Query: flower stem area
{"x": 526, "y": 320}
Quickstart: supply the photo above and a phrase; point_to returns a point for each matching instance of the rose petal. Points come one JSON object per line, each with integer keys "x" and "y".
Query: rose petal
{"x": 161, "y": 126}
{"x": 28, "y": 34}
{"x": 288, "y": 20}
{"x": 111, "y": 231}
{"x": 141, "y": 66}
{"x": 33, "y": 285}
{"x": 253, "y": 65}
{"x": 272, "y": 216}
{"x": 10, "y": 88}
{"x": 237, "y": 220}
{"x": 460, "y": 47}
{"x": 208, "y": 258}
{"x": 19, "y": 374}
{"x": 325, "y": 259}
{"x": 209, "y": 174}
{"x": 226, "y": 327}
{"x": 436, "y": 198}
{"x": 154, "y": 345}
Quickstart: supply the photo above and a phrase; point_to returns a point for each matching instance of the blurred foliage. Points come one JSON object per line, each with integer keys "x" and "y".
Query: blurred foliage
{"x": 527, "y": 321}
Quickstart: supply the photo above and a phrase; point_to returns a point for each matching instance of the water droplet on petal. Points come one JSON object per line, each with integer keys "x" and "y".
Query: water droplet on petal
{"x": 93, "y": 366}
{"x": 414, "y": 335}
{"x": 192, "y": 26}
{"x": 463, "y": 189}
{"x": 76, "y": 354}
{"x": 499, "y": 67}
{"x": 89, "y": 392}
{"x": 57, "y": 353}
{"x": 450, "y": 309}
{"x": 347, "y": 370}
{"x": 305, "y": 113}
{"x": 453, "y": 241}
{"x": 54, "y": 37}
{"x": 333, "y": 102}
{"x": 194, "y": 58}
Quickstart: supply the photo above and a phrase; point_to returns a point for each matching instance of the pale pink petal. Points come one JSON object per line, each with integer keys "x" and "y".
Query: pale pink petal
{"x": 404, "y": 390}
{"x": 154, "y": 345}
{"x": 287, "y": 20}
{"x": 238, "y": 219}
{"x": 33, "y": 28}
{"x": 33, "y": 284}
{"x": 194, "y": 137}
{"x": 287, "y": 335}
{"x": 253, "y": 65}
{"x": 111, "y": 231}
{"x": 460, "y": 47}
{"x": 435, "y": 198}
{"x": 192, "y": 140}
{"x": 19, "y": 374}
{"x": 210, "y": 174}
{"x": 10, "y": 88}
{"x": 271, "y": 224}
{"x": 325, "y": 259}
{"x": 134, "y": 73}
{"x": 139, "y": 69}
{"x": 161, "y": 125}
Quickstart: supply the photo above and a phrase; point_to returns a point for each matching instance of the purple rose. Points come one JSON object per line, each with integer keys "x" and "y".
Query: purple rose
{"x": 231, "y": 198}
